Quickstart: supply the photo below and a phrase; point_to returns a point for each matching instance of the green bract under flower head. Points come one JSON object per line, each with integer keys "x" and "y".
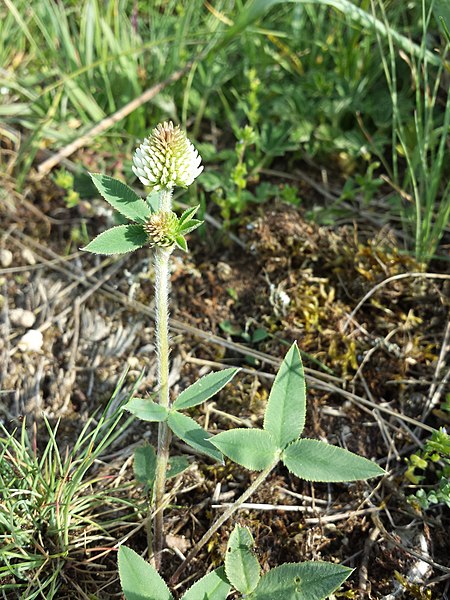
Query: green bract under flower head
{"x": 167, "y": 159}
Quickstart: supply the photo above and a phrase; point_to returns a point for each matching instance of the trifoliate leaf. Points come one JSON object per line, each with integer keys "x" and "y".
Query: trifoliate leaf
{"x": 118, "y": 240}
{"x": 317, "y": 461}
{"x": 286, "y": 407}
{"x": 121, "y": 197}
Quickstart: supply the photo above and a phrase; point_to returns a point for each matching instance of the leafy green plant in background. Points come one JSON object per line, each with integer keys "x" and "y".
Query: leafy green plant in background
{"x": 433, "y": 459}
{"x": 53, "y": 502}
{"x": 292, "y": 581}
{"x": 257, "y": 143}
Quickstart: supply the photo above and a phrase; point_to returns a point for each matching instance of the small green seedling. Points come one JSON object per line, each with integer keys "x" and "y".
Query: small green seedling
{"x": 242, "y": 572}
{"x": 434, "y": 458}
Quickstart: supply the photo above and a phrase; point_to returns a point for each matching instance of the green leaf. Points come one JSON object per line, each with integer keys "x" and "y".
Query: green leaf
{"x": 286, "y": 407}
{"x": 213, "y": 586}
{"x": 121, "y": 197}
{"x": 188, "y": 214}
{"x": 118, "y": 240}
{"x": 189, "y": 226}
{"x": 259, "y": 335}
{"x": 241, "y": 565}
{"x": 190, "y": 432}
{"x": 140, "y": 581}
{"x": 204, "y": 388}
{"x": 301, "y": 581}
{"x": 317, "y": 461}
{"x": 177, "y": 464}
{"x": 147, "y": 410}
{"x": 254, "y": 449}
{"x": 145, "y": 465}
{"x": 181, "y": 243}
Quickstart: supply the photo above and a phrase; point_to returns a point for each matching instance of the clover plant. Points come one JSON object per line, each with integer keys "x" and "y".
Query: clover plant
{"x": 165, "y": 160}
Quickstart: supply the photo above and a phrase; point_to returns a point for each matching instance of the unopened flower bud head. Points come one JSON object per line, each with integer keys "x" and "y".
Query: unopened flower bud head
{"x": 161, "y": 228}
{"x": 167, "y": 159}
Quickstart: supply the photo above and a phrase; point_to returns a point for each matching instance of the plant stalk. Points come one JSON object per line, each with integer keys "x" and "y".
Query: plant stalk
{"x": 162, "y": 278}
{"x": 224, "y": 517}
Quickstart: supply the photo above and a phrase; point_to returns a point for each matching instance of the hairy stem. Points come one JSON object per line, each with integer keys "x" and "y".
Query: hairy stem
{"x": 162, "y": 277}
{"x": 224, "y": 517}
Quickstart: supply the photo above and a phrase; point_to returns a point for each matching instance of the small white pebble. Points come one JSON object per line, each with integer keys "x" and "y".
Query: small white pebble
{"x": 22, "y": 318}
{"x": 28, "y": 256}
{"x": 32, "y": 341}
{"x": 283, "y": 297}
{"x": 224, "y": 271}
{"x": 6, "y": 257}
{"x": 133, "y": 362}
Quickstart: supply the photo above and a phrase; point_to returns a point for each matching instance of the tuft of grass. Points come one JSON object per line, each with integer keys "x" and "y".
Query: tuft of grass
{"x": 58, "y": 507}
{"x": 420, "y": 152}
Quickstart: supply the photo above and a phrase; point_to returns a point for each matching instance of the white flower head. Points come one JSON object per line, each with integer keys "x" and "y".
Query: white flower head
{"x": 167, "y": 159}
